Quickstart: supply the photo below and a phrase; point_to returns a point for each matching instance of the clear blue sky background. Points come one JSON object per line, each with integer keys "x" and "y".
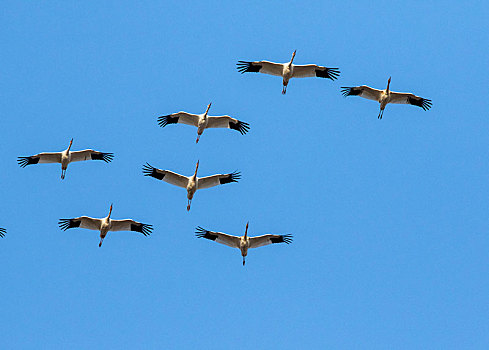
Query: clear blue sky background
{"x": 389, "y": 217}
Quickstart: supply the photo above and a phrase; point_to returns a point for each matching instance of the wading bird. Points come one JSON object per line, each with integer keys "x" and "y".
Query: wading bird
{"x": 105, "y": 225}
{"x": 65, "y": 158}
{"x": 190, "y": 183}
{"x": 203, "y": 121}
{"x": 2, "y": 232}
{"x": 288, "y": 70}
{"x": 243, "y": 243}
{"x": 386, "y": 96}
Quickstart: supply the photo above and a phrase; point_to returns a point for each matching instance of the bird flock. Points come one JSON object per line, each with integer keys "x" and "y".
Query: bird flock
{"x": 203, "y": 121}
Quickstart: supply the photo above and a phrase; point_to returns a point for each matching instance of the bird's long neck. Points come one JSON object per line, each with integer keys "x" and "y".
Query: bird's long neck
{"x": 207, "y": 110}
{"x": 388, "y": 84}
{"x": 71, "y": 142}
{"x": 292, "y": 59}
{"x": 246, "y": 231}
{"x": 196, "y": 168}
{"x": 110, "y": 212}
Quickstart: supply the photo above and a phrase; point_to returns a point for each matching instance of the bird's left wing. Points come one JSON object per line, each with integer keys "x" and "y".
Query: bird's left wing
{"x": 82, "y": 221}
{"x": 265, "y": 67}
{"x": 180, "y": 117}
{"x": 312, "y": 70}
{"x": 219, "y": 237}
{"x": 131, "y": 225}
{"x": 165, "y": 175}
{"x": 219, "y": 179}
{"x": 226, "y": 121}
{"x": 407, "y": 98}
{"x": 90, "y": 154}
{"x": 45, "y": 157}
{"x": 2, "y": 232}
{"x": 260, "y": 241}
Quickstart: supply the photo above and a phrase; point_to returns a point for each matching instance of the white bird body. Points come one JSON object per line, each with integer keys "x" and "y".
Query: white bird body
{"x": 65, "y": 157}
{"x": 384, "y": 97}
{"x": 104, "y": 225}
{"x": 288, "y": 70}
{"x": 190, "y": 183}
{"x": 204, "y": 121}
{"x": 244, "y": 242}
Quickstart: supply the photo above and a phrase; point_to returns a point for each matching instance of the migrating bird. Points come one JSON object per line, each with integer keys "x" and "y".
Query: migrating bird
{"x": 203, "y": 121}
{"x": 105, "y": 225}
{"x": 386, "y": 96}
{"x": 2, "y": 232}
{"x": 65, "y": 158}
{"x": 288, "y": 70}
{"x": 190, "y": 183}
{"x": 243, "y": 243}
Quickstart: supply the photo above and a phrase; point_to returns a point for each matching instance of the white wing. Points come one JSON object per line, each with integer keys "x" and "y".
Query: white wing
{"x": 46, "y": 157}
{"x": 166, "y": 175}
{"x": 90, "y": 154}
{"x": 260, "y": 241}
{"x": 82, "y": 221}
{"x": 180, "y": 117}
{"x": 362, "y": 91}
{"x": 226, "y": 121}
{"x": 219, "y": 237}
{"x": 130, "y": 225}
{"x": 265, "y": 67}
{"x": 313, "y": 70}
{"x": 408, "y": 98}
{"x": 215, "y": 180}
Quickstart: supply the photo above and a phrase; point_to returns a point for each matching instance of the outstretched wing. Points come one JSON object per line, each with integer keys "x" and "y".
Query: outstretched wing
{"x": 219, "y": 179}
{"x": 265, "y": 67}
{"x": 82, "y": 221}
{"x": 51, "y": 157}
{"x": 131, "y": 225}
{"x": 165, "y": 175}
{"x": 260, "y": 241}
{"x": 90, "y": 154}
{"x": 180, "y": 117}
{"x": 362, "y": 91}
{"x": 407, "y": 98}
{"x": 313, "y": 70}
{"x": 228, "y": 122}
{"x": 219, "y": 237}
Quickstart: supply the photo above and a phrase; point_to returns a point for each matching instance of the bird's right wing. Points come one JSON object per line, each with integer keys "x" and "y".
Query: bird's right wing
{"x": 2, "y": 232}
{"x": 165, "y": 175}
{"x": 46, "y": 157}
{"x": 82, "y": 221}
{"x": 219, "y": 237}
{"x": 265, "y": 67}
{"x": 260, "y": 241}
{"x": 180, "y": 117}
{"x": 362, "y": 91}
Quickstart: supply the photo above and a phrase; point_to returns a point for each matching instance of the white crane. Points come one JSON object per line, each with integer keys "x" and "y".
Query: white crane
{"x": 203, "y": 121}
{"x": 386, "y": 96}
{"x": 65, "y": 157}
{"x": 105, "y": 225}
{"x": 190, "y": 183}
{"x": 243, "y": 243}
{"x": 2, "y": 232}
{"x": 288, "y": 70}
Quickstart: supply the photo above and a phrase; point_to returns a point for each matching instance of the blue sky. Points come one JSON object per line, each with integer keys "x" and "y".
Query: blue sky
{"x": 389, "y": 217}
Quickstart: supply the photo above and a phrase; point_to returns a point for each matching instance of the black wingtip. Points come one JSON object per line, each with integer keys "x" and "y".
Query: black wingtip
{"x": 240, "y": 126}
{"x": 2, "y": 232}
{"x": 330, "y": 73}
{"x": 246, "y": 66}
{"x": 346, "y": 91}
{"x": 25, "y": 161}
{"x": 288, "y": 238}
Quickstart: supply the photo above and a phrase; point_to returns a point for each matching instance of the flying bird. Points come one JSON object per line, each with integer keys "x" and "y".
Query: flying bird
{"x": 203, "y": 121}
{"x": 2, "y": 232}
{"x": 105, "y": 225}
{"x": 65, "y": 158}
{"x": 288, "y": 70}
{"x": 243, "y": 243}
{"x": 386, "y": 96}
{"x": 190, "y": 183}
